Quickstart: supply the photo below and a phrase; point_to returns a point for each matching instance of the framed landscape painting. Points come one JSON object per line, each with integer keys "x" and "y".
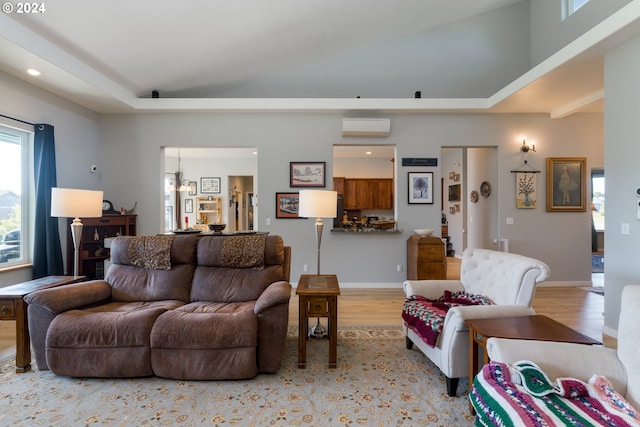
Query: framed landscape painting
{"x": 307, "y": 174}
{"x": 287, "y": 205}
{"x": 566, "y": 184}
{"x": 420, "y": 187}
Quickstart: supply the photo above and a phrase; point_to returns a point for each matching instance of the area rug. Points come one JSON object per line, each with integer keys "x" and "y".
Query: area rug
{"x": 597, "y": 263}
{"x": 378, "y": 382}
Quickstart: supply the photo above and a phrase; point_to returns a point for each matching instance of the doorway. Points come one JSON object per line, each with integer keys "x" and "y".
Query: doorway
{"x": 223, "y": 177}
{"x": 469, "y": 199}
{"x": 597, "y": 226}
{"x": 240, "y": 204}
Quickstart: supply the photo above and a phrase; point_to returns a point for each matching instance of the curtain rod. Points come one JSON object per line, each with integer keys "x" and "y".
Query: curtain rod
{"x": 17, "y": 120}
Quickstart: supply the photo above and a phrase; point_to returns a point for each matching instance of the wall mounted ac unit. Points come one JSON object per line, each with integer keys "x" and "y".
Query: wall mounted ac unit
{"x": 366, "y": 127}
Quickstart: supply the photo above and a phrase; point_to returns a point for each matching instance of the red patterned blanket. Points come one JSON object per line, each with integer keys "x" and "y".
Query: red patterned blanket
{"x": 426, "y": 317}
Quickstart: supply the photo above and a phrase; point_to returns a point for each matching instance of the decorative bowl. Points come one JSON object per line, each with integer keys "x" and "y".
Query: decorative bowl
{"x": 216, "y": 228}
{"x": 426, "y": 232}
{"x": 383, "y": 225}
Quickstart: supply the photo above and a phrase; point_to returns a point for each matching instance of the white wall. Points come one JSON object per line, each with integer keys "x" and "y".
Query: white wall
{"x": 468, "y": 58}
{"x": 622, "y": 151}
{"x": 549, "y": 32}
{"x": 560, "y": 239}
{"x": 482, "y": 217}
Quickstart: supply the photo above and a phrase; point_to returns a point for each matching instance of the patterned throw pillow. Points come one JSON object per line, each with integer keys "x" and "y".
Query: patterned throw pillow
{"x": 153, "y": 252}
{"x": 243, "y": 251}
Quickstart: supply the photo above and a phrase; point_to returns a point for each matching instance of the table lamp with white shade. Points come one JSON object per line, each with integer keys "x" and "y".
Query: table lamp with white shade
{"x": 74, "y": 203}
{"x": 319, "y": 204}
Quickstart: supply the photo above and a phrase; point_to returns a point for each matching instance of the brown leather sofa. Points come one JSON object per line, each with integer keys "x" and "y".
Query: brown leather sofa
{"x": 218, "y": 310}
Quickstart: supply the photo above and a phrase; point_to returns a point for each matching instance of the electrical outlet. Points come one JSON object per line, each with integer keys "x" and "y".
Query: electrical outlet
{"x": 268, "y": 221}
{"x": 399, "y": 268}
{"x": 624, "y": 228}
{"x": 305, "y": 268}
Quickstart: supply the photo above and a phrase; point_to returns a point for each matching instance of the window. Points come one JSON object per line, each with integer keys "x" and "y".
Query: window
{"x": 14, "y": 186}
{"x": 571, "y": 6}
{"x": 597, "y": 199}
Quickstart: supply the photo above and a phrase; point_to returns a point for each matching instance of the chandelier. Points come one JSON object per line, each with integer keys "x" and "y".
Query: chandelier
{"x": 178, "y": 182}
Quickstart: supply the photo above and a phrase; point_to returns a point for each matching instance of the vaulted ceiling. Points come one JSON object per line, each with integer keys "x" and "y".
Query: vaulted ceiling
{"x": 109, "y": 56}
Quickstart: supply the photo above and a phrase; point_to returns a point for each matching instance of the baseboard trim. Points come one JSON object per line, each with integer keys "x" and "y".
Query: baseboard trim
{"x": 565, "y": 284}
{"x": 392, "y": 285}
{"x": 365, "y": 285}
{"x": 610, "y": 331}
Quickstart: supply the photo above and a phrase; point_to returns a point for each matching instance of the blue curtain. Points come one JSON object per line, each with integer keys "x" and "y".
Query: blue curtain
{"x": 47, "y": 254}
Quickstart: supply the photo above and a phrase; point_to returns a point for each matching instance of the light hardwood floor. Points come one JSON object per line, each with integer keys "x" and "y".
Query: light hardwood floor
{"x": 571, "y": 306}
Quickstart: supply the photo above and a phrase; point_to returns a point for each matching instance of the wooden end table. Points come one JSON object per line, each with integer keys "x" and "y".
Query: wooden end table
{"x": 536, "y": 327}
{"x": 13, "y": 307}
{"x": 317, "y": 297}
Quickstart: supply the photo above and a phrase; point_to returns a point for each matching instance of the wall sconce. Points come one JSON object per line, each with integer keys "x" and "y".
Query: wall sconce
{"x": 525, "y": 148}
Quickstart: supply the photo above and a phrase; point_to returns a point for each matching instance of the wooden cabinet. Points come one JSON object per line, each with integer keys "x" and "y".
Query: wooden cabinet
{"x": 365, "y": 193}
{"x": 92, "y": 252}
{"x": 426, "y": 258}
{"x": 208, "y": 211}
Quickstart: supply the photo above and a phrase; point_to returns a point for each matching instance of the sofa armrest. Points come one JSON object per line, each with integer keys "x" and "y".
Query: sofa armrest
{"x": 431, "y": 289}
{"x": 456, "y": 316}
{"x": 561, "y": 359}
{"x": 72, "y": 296}
{"x": 275, "y": 294}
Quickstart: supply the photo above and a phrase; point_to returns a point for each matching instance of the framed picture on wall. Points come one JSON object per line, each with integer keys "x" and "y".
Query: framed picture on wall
{"x": 454, "y": 193}
{"x": 307, "y": 174}
{"x": 210, "y": 185}
{"x": 287, "y": 205}
{"x": 193, "y": 188}
{"x": 526, "y": 194}
{"x": 188, "y": 205}
{"x": 420, "y": 187}
{"x": 566, "y": 184}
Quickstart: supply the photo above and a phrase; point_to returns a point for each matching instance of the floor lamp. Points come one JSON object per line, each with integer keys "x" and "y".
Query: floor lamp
{"x": 319, "y": 204}
{"x": 73, "y": 203}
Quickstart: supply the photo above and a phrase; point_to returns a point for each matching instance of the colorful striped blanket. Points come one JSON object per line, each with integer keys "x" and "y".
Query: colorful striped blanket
{"x": 426, "y": 317}
{"x": 522, "y": 395}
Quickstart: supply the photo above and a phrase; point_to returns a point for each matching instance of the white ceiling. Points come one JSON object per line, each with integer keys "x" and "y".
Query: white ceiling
{"x": 109, "y": 56}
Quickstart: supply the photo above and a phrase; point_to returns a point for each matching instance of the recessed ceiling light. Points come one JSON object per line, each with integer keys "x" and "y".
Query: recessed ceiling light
{"x": 368, "y": 153}
{"x": 33, "y": 72}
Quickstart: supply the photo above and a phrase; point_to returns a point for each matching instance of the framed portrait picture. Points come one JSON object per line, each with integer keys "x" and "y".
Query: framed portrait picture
{"x": 420, "y": 187}
{"x": 566, "y": 184}
{"x": 210, "y": 185}
{"x": 454, "y": 193}
{"x": 307, "y": 174}
{"x": 287, "y": 205}
{"x": 188, "y": 205}
{"x": 193, "y": 188}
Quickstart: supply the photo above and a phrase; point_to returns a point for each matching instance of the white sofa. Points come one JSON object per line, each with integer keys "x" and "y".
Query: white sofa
{"x": 508, "y": 280}
{"x": 621, "y": 366}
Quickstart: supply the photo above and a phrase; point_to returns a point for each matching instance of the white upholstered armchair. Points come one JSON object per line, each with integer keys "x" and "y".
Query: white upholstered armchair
{"x": 621, "y": 367}
{"x": 508, "y": 280}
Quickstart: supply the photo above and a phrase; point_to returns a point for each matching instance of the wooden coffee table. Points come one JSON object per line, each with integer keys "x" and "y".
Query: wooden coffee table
{"x": 536, "y": 327}
{"x": 317, "y": 297}
{"x": 13, "y": 307}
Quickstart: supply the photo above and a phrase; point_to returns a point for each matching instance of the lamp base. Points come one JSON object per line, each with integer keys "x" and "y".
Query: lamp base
{"x": 318, "y": 331}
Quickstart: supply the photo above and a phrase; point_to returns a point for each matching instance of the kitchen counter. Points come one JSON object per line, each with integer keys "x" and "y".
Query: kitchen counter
{"x": 365, "y": 231}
